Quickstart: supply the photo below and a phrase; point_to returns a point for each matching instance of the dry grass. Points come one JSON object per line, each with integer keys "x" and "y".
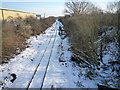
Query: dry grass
{"x": 82, "y": 32}
{"x": 16, "y": 31}
{"x": 0, "y": 41}
{"x": 10, "y": 40}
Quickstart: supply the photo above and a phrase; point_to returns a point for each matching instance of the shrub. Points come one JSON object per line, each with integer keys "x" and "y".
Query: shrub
{"x": 10, "y": 41}
{"x": 82, "y": 32}
{"x": 16, "y": 31}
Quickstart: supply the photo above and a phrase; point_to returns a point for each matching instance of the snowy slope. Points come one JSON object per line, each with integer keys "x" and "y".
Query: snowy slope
{"x": 40, "y": 65}
{"x": 109, "y": 73}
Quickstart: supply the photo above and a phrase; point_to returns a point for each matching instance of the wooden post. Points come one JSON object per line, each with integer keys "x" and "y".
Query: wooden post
{"x": 44, "y": 15}
{"x": 2, "y": 15}
{"x": 1, "y": 37}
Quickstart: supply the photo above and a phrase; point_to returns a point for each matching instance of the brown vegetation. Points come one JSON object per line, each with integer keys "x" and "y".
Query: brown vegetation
{"x": 82, "y": 28}
{"x": 82, "y": 32}
{"x": 17, "y": 31}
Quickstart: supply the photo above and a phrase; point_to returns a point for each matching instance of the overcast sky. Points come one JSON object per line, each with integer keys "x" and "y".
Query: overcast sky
{"x": 49, "y": 7}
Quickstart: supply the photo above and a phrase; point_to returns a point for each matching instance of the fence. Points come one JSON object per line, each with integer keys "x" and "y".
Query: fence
{"x": 7, "y": 14}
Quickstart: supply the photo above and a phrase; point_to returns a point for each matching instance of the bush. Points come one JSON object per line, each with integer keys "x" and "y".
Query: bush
{"x": 10, "y": 40}
{"x": 16, "y": 31}
{"x": 82, "y": 32}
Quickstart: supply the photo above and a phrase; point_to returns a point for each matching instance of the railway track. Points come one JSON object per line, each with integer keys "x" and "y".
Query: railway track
{"x": 39, "y": 70}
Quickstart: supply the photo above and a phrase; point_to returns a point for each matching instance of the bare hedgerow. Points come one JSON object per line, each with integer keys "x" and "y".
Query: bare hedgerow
{"x": 82, "y": 27}
{"x": 82, "y": 32}
{"x": 16, "y": 30}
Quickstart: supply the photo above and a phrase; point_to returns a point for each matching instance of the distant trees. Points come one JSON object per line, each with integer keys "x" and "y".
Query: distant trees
{"x": 113, "y": 7}
{"x": 74, "y": 7}
{"x": 118, "y": 10}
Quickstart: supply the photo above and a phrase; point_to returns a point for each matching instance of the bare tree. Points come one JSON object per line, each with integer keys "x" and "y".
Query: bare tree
{"x": 78, "y": 7}
{"x": 113, "y": 7}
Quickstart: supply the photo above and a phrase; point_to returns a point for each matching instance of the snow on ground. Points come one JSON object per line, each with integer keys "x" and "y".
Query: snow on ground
{"x": 108, "y": 75}
{"x": 109, "y": 72}
{"x": 65, "y": 74}
{"x": 44, "y": 49}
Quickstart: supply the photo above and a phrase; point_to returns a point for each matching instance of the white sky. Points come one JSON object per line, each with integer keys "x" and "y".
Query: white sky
{"x": 34, "y": 0}
{"x": 57, "y": 10}
{"x": 55, "y": 0}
